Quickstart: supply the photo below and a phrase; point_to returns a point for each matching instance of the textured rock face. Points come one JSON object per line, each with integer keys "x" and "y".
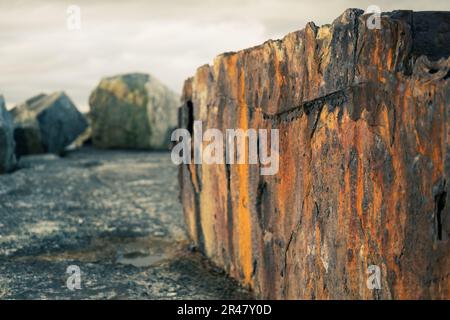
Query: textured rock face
{"x": 46, "y": 123}
{"x": 364, "y": 147}
{"x": 132, "y": 111}
{"x": 7, "y": 145}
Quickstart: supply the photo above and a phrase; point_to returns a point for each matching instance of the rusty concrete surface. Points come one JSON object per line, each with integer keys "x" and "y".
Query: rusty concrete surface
{"x": 364, "y": 138}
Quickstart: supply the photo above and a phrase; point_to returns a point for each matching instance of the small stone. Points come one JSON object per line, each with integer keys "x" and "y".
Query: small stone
{"x": 159, "y": 234}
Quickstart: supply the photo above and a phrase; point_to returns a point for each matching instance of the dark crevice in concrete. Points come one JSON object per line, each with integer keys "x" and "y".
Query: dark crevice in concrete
{"x": 190, "y": 115}
{"x": 334, "y": 98}
{"x": 447, "y": 76}
{"x": 229, "y": 213}
{"x": 439, "y": 200}
{"x": 355, "y": 45}
{"x": 316, "y": 121}
{"x": 262, "y": 186}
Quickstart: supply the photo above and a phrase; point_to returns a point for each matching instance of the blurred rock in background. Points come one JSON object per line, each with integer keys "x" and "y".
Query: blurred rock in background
{"x": 133, "y": 111}
{"x": 46, "y": 123}
{"x": 7, "y": 145}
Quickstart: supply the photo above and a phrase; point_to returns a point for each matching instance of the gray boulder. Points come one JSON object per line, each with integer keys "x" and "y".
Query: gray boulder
{"x": 46, "y": 123}
{"x": 133, "y": 111}
{"x": 7, "y": 145}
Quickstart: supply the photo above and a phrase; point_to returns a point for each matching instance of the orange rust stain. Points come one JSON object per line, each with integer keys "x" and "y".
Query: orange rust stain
{"x": 359, "y": 137}
{"x": 437, "y": 135}
{"x": 195, "y": 183}
{"x": 231, "y": 70}
{"x": 389, "y": 59}
{"x": 208, "y": 206}
{"x": 395, "y": 221}
{"x": 353, "y": 240}
{"x": 377, "y": 59}
{"x": 376, "y": 228}
{"x": 278, "y": 74}
{"x": 384, "y": 131}
{"x": 190, "y": 221}
{"x": 244, "y": 218}
{"x": 376, "y": 54}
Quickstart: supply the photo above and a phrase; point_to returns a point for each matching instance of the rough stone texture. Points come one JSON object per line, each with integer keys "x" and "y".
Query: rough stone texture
{"x": 364, "y": 160}
{"x": 7, "y": 145}
{"x": 133, "y": 111}
{"x": 46, "y": 123}
{"x": 115, "y": 215}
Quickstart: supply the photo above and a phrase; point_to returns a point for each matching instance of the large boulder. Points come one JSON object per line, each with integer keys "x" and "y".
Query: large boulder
{"x": 46, "y": 123}
{"x": 133, "y": 111}
{"x": 7, "y": 145}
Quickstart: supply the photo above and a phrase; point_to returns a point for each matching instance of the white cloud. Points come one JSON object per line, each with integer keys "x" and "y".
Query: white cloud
{"x": 168, "y": 39}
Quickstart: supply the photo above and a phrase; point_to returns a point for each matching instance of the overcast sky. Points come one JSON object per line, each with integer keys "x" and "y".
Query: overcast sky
{"x": 168, "y": 39}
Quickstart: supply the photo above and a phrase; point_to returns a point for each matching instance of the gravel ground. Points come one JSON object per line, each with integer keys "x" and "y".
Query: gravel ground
{"x": 115, "y": 215}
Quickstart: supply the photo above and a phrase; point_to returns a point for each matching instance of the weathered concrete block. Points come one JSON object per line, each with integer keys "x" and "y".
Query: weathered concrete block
{"x": 364, "y": 146}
